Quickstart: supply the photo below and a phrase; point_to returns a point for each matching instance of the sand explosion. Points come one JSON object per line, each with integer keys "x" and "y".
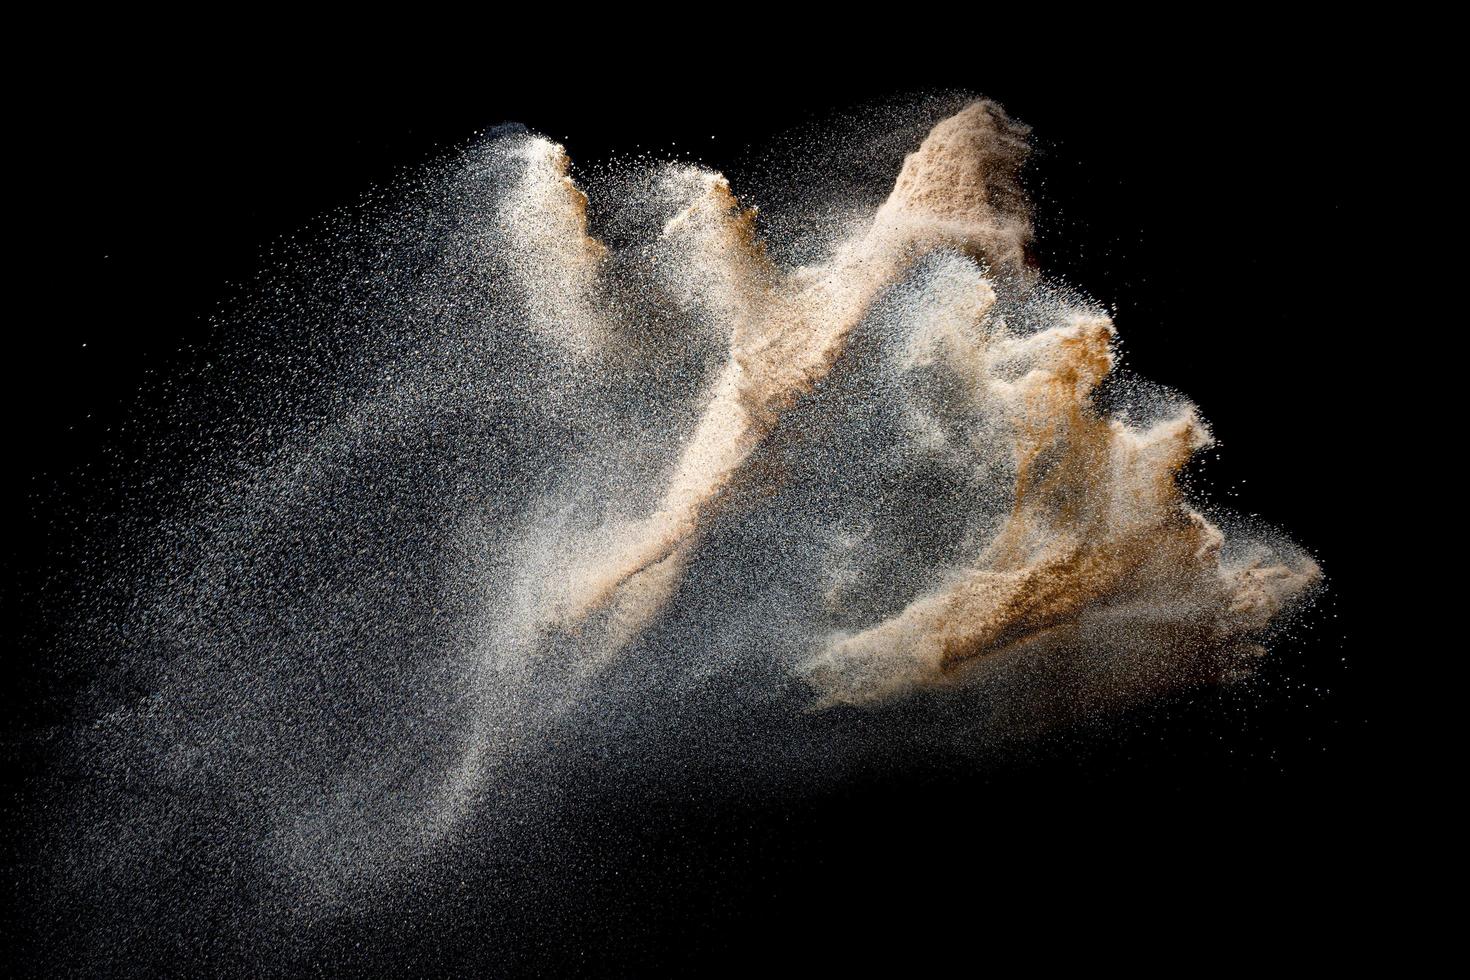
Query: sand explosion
{"x": 710, "y": 485}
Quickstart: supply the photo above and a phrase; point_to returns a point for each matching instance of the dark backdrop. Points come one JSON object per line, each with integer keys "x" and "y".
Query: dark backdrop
{"x": 1210, "y": 196}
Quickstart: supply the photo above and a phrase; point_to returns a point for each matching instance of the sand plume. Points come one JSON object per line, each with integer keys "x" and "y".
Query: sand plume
{"x": 640, "y": 470}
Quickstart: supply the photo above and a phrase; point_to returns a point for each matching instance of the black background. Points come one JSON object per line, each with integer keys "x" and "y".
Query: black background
{"x": 1209, "y": 195}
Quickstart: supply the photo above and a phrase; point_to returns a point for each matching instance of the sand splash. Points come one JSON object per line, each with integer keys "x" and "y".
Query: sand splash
{"x": 629, "y": 478}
